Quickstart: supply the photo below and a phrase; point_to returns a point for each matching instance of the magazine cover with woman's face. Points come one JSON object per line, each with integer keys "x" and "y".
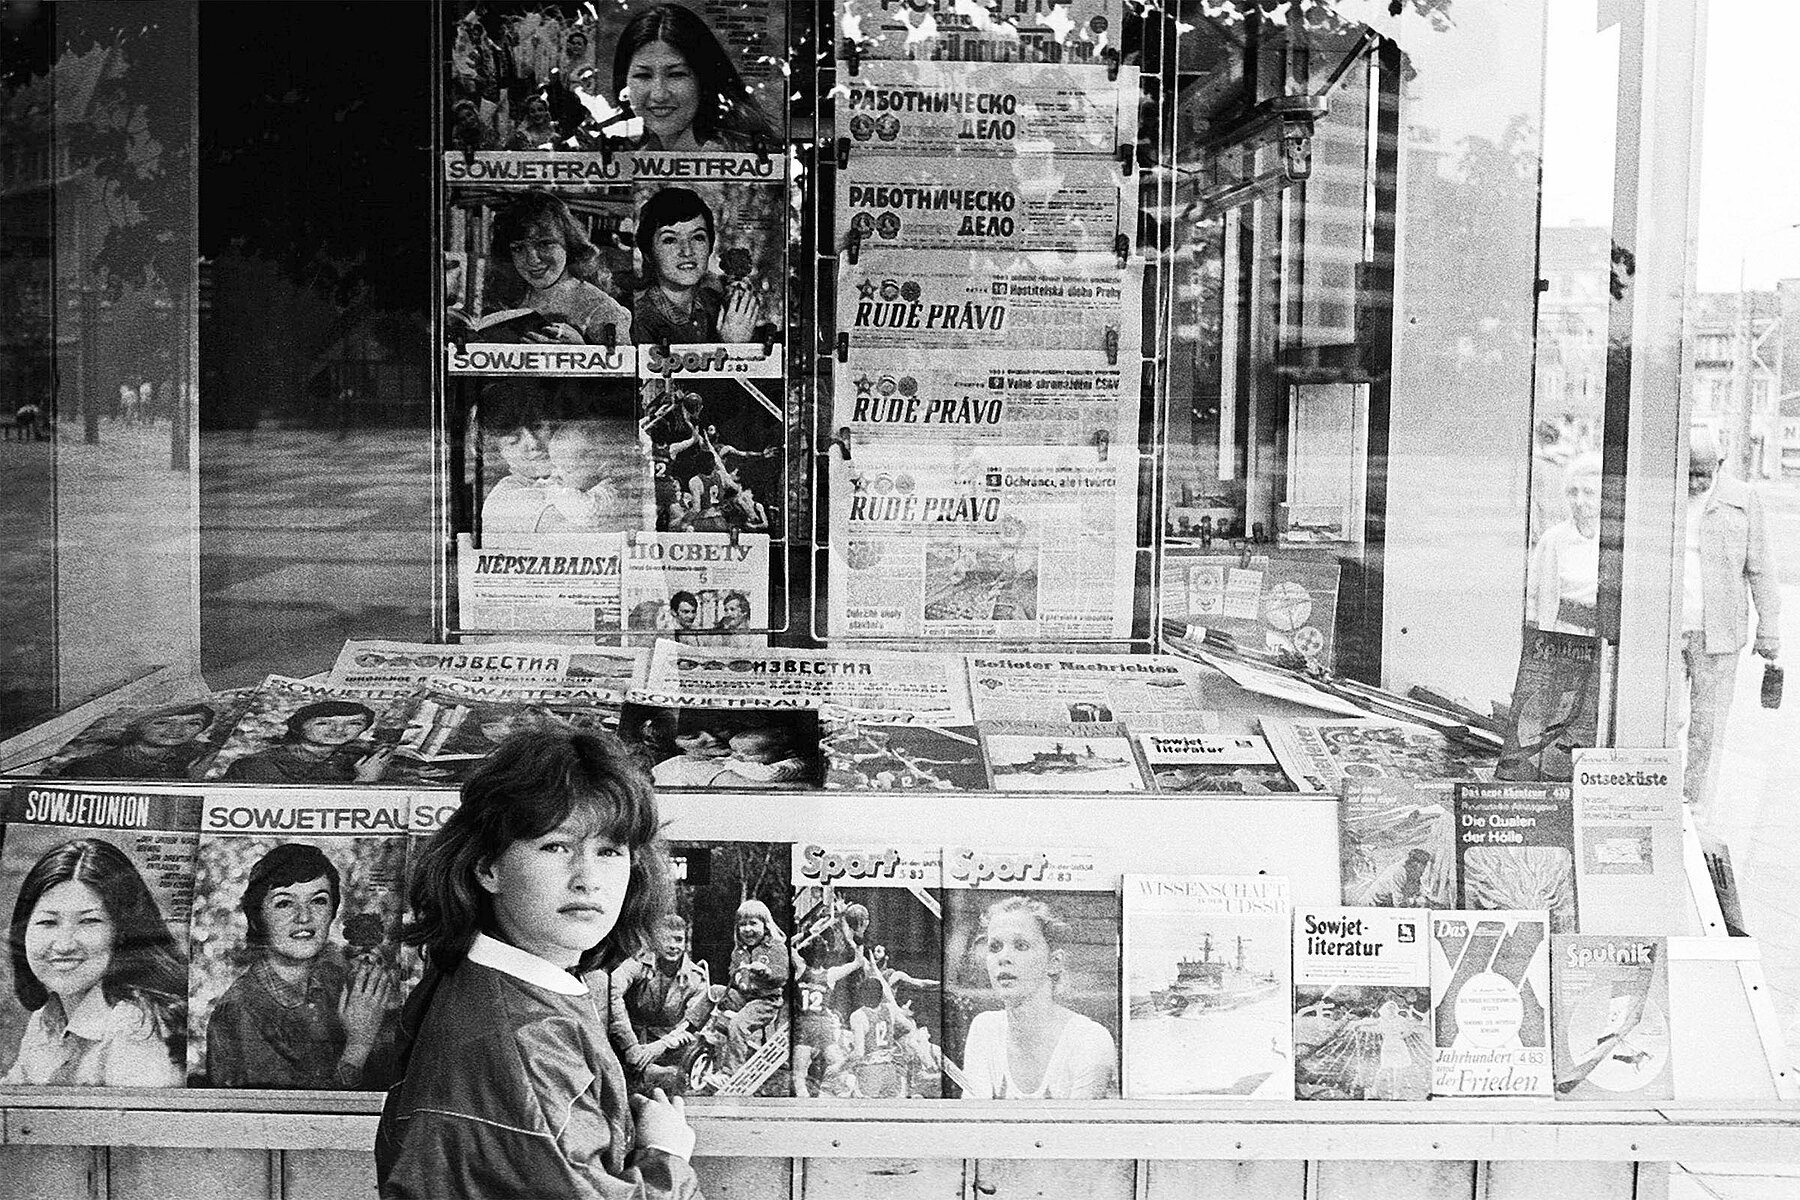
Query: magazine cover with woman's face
{"x": 170, "y": 740}
{"x": 691, "y": 742}
{"x": 1031, "y": 974}
{"x": 297, "y": 732}
{"x": 298, "y": 900}
{"x": 98, "y": 887}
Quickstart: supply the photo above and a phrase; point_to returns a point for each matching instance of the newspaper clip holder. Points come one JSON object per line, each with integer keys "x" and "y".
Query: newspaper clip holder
{"x": 1127, "y": 156}
{"x": 843, "y": 347}
{"x": 1110, "y": 56}
{"x": 668, "y": 360}
{"x": 843, "y": 154}
{"x": 732, "y": 532}
{"x": 766, "y": 335}
{"x": 1122, "y": 248}
{"x": 1102, "y": 443}
{"x": 762, "y": 151}
{"x": 853, "y": 245}
{"x": 609, "y": 336}
{"x": 1111, "y": 344}
{"x": 842, "y": 441}
{"x": 606, "y": 150}
{"x": 852, "y": 56}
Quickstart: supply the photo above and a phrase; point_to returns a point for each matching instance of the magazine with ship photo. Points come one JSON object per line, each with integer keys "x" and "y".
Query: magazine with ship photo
{"x": 1490, "y": 1002}
{"x": 294, "y": 731}
{"x": 1362, "y": 1004}
{"x": 100, "y": 883}
{"x": 1515, "y": 848}
{"x": 296, "y": 976}
{"x": 1207, "y": 979}
{"x": 868, "y": 954}
{"x": 1031, "y": 974}
{"x": 1060, "y": 756}
{"x": 706, "y": 1005}
{"x": 1397, "y": 844}
{"x": 1610, "y": 1000}
{"x": 172, "y": 740}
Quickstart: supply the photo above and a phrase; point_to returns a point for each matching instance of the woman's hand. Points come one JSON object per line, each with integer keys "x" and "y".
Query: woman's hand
{"x": 662, "y": 1124}
{"x": 373, "y": 765}
{"x": 368, "y": 995}
{"x": 557, "y": 333}
{"x": 738, "y": 318}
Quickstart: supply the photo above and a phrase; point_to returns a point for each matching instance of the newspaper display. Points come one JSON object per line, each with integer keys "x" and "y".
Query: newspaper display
{"x": 987, "y": 541}
{"x": 1032, "y": 202}
{"x": 1032, "y": 31}
{"x": 1060, "y": 756}
{"x": 1362, "y": 1003}
{"x": 1397, "y": 843}
{"x": 1490, "y": 997}
{"x": 718, "y": 969}
{"x": 1191, "y": 758}
{"x": 890, "y": 685}
{"x": 1628, "y": 843}
{"x": 529, "y": 665}
{"x": 706, "y": 589}
{"x": 909, "y": 108}
{"x": 713, "y": 423}
{"x": 1016, "y": 397}
{"x": 1030, "y": 936}
{"x": 1146, "y": 691}
{"x": 100, "y": 884}
{"x": 543, "y": 75}
{"x": 729, "y": 744}
{"x": 575, "y": 587}
{"x": 1515, "y": 848}
{"x": 171, "y": 740}
{"x": 1208, "y": 976}
{"x": 974, "y": 300}
{"x": 869, "y": 953}
{"x": 1610, "y": 1006}
{"x": 293, "y": 731}
{"x": 1322, "y": 754}
{"x": 298, "y": 901}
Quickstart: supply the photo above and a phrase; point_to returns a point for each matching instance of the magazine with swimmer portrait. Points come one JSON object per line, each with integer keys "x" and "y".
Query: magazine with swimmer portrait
{"x": 868, "y": 959}
{"x": 99, "y": 883}
{"x": 1031, "y": 974}
{"x": 702, "y": 742}
{"x": 296, "y": 975}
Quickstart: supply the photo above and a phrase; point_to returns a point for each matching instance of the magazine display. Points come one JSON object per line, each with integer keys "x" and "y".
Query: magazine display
{"x": 1031, "y": 974}
{"x": 869, "y": 752}
{"x": 868, "y": 961}
{"x": 1628, "y": 851}
{"x": 1490, "y": 991}
{"x": 171, "y": 740}
{"x": 1014, "y": 397}
{"x": 1207, "y": 974}
{"x": 99, "y": 886}
{"x": 1611, "y": 1007}
{"x": 298, "y": 899}
{"x": 1147, "y": 691}
{"x": 1555, "y": 706}
{"x": 1032, "y": 202}
{"x": 1515, "y": 849}
{"x": 1030, "y": 31}
{"x": 935, "y": 109}
{"x": 1060, "y": 756}
{"x": 530, "y": 665}
{"x": 1362, "y": 1004}
{"x": 697, "y": 741}
{"x": 705, "y": 1007}
{"x": 712, "y": 421}
{"x": 465, "y": 721}
{"x": 1322, "y": 754}
{"x": 982, "y": 541}
{"x": 893, "y": 685}
{"x": 292, "y": 731}
{"x": 1191, "y": 758}
{"x": 1279, "y": 604}
{"x": 1397, "y": 844}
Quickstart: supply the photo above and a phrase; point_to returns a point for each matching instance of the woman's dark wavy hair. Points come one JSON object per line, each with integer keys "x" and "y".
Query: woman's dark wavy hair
{"x": 527, "y": 787}
{"x": 296, "y": 724}
{"x": 670, "y": 206}
{"x": 284, "y": 866}
{"x": 147, "y": 966}
{"x": 725, "y": 104}
{"x": 515, "y": 221}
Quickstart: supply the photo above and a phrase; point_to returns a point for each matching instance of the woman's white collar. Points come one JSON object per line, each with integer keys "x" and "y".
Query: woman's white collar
{"x": 522, "y": 964}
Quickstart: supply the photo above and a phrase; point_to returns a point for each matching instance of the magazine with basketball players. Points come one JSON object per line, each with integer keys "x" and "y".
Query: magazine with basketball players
{"x": 725, "y": 745}
{"x": 1060, "y": 756}
{"x": 170, "y": 740}
{"x": 99, "y": 882}
{"x": 868, "y": 971}
{"x": 1321, "y": 753}
{"x": 1207, "y": 977}
{"x": 1515, "y": 848}
{"x": 1628, "y": 845}
{"x": 296, "y": 979}
{"x": 704, "y": 1009}
{"x": 1610, "y": 1000}
{"x": 1362, "y": 1004}
{"x": 296, "y": 732}
{"x": 1490, "y": 1001}
{"x": 1031, "y": 974}
{"x": 1397, "y": 843}
{"x": 712, "y": 420}
{"x": 1193, "y": 758}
